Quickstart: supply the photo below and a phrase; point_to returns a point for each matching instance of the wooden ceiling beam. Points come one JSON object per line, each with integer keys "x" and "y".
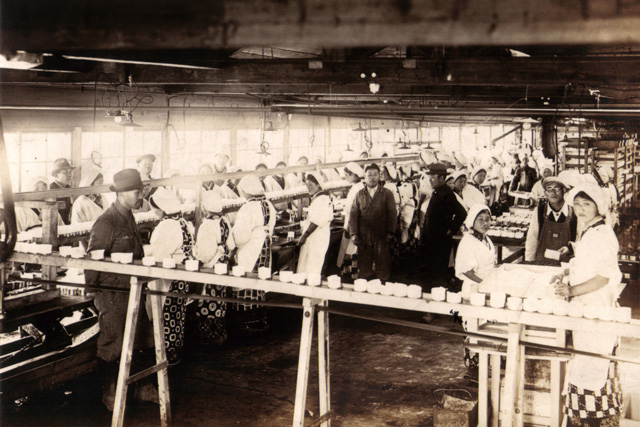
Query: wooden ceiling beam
{"x": 38, "y": 25}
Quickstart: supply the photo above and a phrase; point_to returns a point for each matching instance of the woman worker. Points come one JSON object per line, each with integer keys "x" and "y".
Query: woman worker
{"x": 593, "y": 391}
{"x": 252, "y": 233}
{"x": 475, "y": 259}
{"x": 172, "y": 238}
{"x": 317, "y": 228}
{"x": 214, "y": 244}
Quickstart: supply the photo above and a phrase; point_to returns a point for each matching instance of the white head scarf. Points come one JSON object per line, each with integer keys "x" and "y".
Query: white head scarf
{"x": 355, "y": 169}
{"x": 474, "y": 211}
{"x": 212, "y": 202}
{"x": 595, "y": 192}
{"x": 251, "y": 185}
{"x": 166, "y": 201}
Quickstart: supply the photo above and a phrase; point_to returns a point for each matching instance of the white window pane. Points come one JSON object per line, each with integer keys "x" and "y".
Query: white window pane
{"x": 90, "y": 143}
{"x": 450, "y": 139}
{"x": 11, "y": 141}
{"x": 59, "y": 146}
{"x": 112, "y": 144}
{"x": 134, "y": 143}
{"x": 153, "y": 142}
{"x": 34, "y": 147}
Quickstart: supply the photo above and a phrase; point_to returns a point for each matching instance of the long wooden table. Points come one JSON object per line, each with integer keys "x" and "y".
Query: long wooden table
{"x": 314, "y": 297}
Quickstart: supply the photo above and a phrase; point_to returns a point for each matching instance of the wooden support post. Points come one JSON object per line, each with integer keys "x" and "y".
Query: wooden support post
{"x": 514, "y": 378}
{"x": 323, "y": 364}
{"x": 557, "y": 382}
{"x": 495, "y": 390}
{"x": 50, "y": 236}
{"x": 133, "y": 308}
{"x": 303, "y": 362}
{"x": 161, "y": 357}
{"x": 3, "y": 283}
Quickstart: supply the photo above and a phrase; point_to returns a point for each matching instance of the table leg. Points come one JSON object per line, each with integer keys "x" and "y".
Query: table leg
{"x": 514, "y": 377}
{"x": 557, "y": 382}
{"x": 483, "y": 389}
{"x": 323, "y": 364}
{"x": 161, "y": 356}
{"x": 133, "y": 308}
{"x": 303, "y": 362}
{"x": 495, "y": 390}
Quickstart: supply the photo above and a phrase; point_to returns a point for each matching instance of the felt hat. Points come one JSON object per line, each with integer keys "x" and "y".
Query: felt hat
{"x": 147, "y": 156}
{"x": 212, "y": 202}
{"x": 436, "y": 169}
{"x": 355, "y": 169}
{"x": 126, "y": 180}
{"x": 475, "y": 210}
{"x": 61, "y": 164}
{"x": 594, "y": 191}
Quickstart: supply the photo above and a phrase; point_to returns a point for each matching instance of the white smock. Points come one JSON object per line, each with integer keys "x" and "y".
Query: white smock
{"x": 26, "y": 218}
{"x": 471, "y": 196}
{"x": 596, "y": 253}
{"x": 209, "y": 246}
{"x": 474, "y": 255}
{"x": 249, "y": 232}
{"x": 313, "y": 252}
{"x": 272, "y": 186}
{"x": 85, "y": 210}
{"x": 166, "y": 242}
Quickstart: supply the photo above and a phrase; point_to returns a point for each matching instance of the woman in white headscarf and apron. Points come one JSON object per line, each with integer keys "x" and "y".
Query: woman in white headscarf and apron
{"x": 88, "y": 207}
{"x": 475, "y": 260}
{"x": 316, "y": 228}
{"x": 593, "y": 384}
{"x": 252, "y": 232}
{"x": 172, "y": 238}
{"x": 214, "y": 244}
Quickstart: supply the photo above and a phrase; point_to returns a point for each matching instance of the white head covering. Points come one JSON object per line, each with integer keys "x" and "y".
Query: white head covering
{"x": 570, "y": 177}
{"x": 171, "y": 173}
{"x": 166, "y": 201}
{"x": 444, "y": 157}
{"x": 474, "y": 211}
{"x": 38, "y": 179}
{"x": 595, "y": 192}
{"x": 428, "y": 157}
{"x": 606, "y": 173}
{"x": 89, "y": 175}
{"x": 391, "y": 170}
{"x": 317, "y": 176}
{"x": 251, "y": 185}
{"x": 477, "y": 170}
{"x": 461, "y": 158}
{"x": 457, "y": 174}
{"x": 355, "y": 169}
{"x": 212, "y": 202}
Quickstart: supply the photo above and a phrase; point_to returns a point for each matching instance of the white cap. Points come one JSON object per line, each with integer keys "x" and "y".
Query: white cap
{"x": 251, "y": 185}
{"x": 474, "y": 211}
{"x": 212, "y": 202}
{"x": 594, "y": 191}
{"x": 355, "y": 169}
{"x": 167, "y": 201}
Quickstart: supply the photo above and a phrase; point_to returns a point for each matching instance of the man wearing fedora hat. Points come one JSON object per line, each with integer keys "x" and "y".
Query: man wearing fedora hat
{"x": 116, "y": 231}
{"x": 62, "y": 173}
{"x": 444, "y": 217}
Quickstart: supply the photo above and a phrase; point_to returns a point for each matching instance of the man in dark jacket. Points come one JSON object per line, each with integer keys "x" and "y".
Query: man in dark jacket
{"x": 444, "y": 217}
{"x": 372, "y": 224}
{"x": 116, "y": 231}
{"x": 62, "y": 174}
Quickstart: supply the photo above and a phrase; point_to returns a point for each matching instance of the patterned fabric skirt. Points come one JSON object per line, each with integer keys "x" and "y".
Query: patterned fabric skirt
{"x": 211, "y": 316}
{"x": 251, "y": 317}
{"x": 583, "y": 404}
{"x": 174, "y": 313}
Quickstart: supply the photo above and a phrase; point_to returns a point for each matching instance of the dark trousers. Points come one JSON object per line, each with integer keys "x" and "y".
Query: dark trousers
{"x": 376, "y": 257}
{"x": 436, "y": 263}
